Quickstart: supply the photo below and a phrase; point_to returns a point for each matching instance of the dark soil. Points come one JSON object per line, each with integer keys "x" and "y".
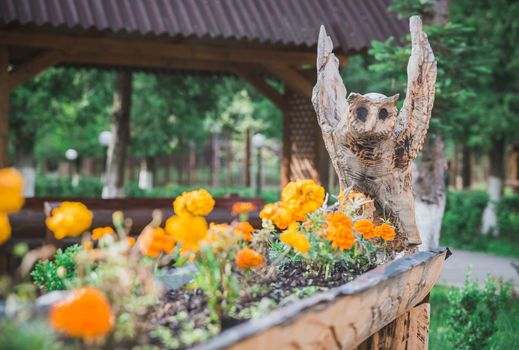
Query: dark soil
{"x": 291, "y": 278}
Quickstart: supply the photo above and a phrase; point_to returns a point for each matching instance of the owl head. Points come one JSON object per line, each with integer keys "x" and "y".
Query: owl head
{"x": 372, "y": 115}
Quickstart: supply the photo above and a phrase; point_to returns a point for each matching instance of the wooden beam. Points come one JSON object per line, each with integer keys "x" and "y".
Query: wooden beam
{"x": 4, "y": 106}
{"x": 141, "y": 61}
{"x": 294, "y": 80}
{"x": 131, "y": 46}
{"x": 26, "y": 70}
{"x": 258, "y": 82}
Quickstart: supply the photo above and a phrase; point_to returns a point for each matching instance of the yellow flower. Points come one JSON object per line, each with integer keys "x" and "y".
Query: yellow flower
{"x": 154, "y": 241}
{"x": 242, "y": 208}
{"x": 385, "y": 231}
{"x": 245, "y": 229}
{"x": 86, "y": 313}
{"x": 195, "y": 203}
{"x": 187, "y": 230}
{"x": 70, "y": 219}
{"x": 292, "y": 237}
{"x": 365, "y": 227}
{"x": 247, "y": 258}
{"x": 5, "y": 228}
{"x": 339, "y": 231}
{"x": 221, "y": 236}
{"x": 99, "y": 232}
{"x": 279, "y": 213}
{"x": 11, "y": 190}
{"x": 302, "y": 197}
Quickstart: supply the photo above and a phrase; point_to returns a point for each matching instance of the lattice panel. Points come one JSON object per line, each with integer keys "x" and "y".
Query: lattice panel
{"x": 302, "y": 137}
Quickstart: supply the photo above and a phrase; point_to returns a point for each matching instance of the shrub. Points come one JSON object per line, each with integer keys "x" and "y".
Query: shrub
{"x": 508, "y": 217}
{"x": 62, "y": 187}
{"x": 472, "y": 313}
{"x": 462, "y": 218}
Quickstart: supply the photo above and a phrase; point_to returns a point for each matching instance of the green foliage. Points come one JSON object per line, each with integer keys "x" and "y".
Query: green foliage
{"x": 62, "y": 187}
{"x": 25, "y": 335}
{"x": 220, "y": 285}
{"x": 472, "y": 313}
{"x": 58, "y": 273}
{"x": 462, "y": 218}
{"x": 462, "y": 222}
{"x": 508, "y": 217}
{"x": 506, "y": 321}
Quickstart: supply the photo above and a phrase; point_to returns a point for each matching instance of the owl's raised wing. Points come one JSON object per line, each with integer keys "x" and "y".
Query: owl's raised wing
{"x": 329, "y": 93}
{"x": 413, "y": 119}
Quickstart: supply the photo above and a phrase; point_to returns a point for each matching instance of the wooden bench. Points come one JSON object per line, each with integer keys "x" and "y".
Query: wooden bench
{"x": 28, "y": 225}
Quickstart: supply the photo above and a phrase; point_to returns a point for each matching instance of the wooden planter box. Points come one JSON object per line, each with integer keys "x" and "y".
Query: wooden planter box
{"x": 386, "y": 308}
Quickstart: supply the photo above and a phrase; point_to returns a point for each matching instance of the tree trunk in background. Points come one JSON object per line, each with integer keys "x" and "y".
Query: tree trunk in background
{"x": 26, "y": 164}
{"x": 146, "y": 174}
{"x": 429, "y": 180}
{"x": 215, "y": 161}
{"x": 191, "y": 164}
{"x": 116, "y": 158}
{"x": 466, "y": 170}
{"x": 246, "y": 159}
{"x": 495, "y": 186}
{"x": 228, "y": 158}
{"x": 167, "y": 169}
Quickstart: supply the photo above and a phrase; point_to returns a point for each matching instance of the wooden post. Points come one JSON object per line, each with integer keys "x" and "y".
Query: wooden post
{"x": 114, "y": 178}
{"x": 4, "y": 107}
{"x": 408, "y": 332}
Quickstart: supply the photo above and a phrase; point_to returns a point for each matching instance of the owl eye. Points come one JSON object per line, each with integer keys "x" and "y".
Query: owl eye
{"x": 362, "y": 113}
{"x": 383, "y": 114}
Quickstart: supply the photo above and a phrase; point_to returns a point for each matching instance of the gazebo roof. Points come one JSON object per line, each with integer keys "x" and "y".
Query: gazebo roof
{"x": 353, "y": 24}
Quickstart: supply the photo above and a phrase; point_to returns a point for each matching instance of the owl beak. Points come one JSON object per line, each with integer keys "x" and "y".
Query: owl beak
{"x": 370, "y": 124}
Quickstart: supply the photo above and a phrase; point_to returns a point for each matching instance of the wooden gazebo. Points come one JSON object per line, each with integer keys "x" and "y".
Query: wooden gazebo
{"x": 253, "y": 39}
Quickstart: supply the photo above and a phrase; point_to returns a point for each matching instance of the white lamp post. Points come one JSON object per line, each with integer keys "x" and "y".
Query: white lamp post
{"x": 71, "y": 155}
{"x": 258, "y": 141}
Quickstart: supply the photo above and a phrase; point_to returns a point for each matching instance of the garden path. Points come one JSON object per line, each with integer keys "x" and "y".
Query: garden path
{"x": 455, "y": 268}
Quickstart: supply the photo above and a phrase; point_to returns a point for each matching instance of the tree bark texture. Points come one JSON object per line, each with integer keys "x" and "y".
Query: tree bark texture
{"x": 114, "y": 177}
{"x": 370, "y": 143}
{"x": 430, "y": 196}
{"x": 495, "y": 186}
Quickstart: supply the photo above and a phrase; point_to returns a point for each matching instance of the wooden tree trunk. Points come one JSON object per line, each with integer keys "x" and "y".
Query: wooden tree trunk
{"x": 370, "y": 143}
{"x": 430, "y": 197}
{"x": 466, "y": 171}
{"x": 215, "y": 161}
{"x": 228, "y": 158}
{"x": 114, "y": 177}
{"x": 495, "y": 186}
{"x": 146, "y": 172}
{"x": 4, "y": 106}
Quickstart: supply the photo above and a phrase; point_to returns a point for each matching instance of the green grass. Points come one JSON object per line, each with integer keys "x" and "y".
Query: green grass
{"x": 507, "y": 321}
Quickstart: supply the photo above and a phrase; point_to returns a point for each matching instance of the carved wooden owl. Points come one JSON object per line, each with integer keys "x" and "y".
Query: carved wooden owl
{"x": 370, "y": 142}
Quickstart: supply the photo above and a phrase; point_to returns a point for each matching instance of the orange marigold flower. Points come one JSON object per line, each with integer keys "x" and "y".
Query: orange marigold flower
{"x": 154, "y": 241}
{"x": 5, "y": 228}
{"x": 292, "y": 237}
{"x": 196, "y": 203}
{"x": 70, "y": 219}
{"x": 279, "y": 213}
{"x": 365, "y": 227}
{"x": 245, "y": 229}
{"x": 187, "y": 230}
{"x": 86, "y": 313}
{"x": 11, "y": 188}
{"x": 339, "y": 230}
{"x": 99, "y": 232}
{"x": 242, "y": 208}
{"x": 303, "y": 197}
{"x": 87, "y": 244}
{"x": 131, "y": 241}
{"x": 247, "y": 258}
{"x": 385, "y": 231}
